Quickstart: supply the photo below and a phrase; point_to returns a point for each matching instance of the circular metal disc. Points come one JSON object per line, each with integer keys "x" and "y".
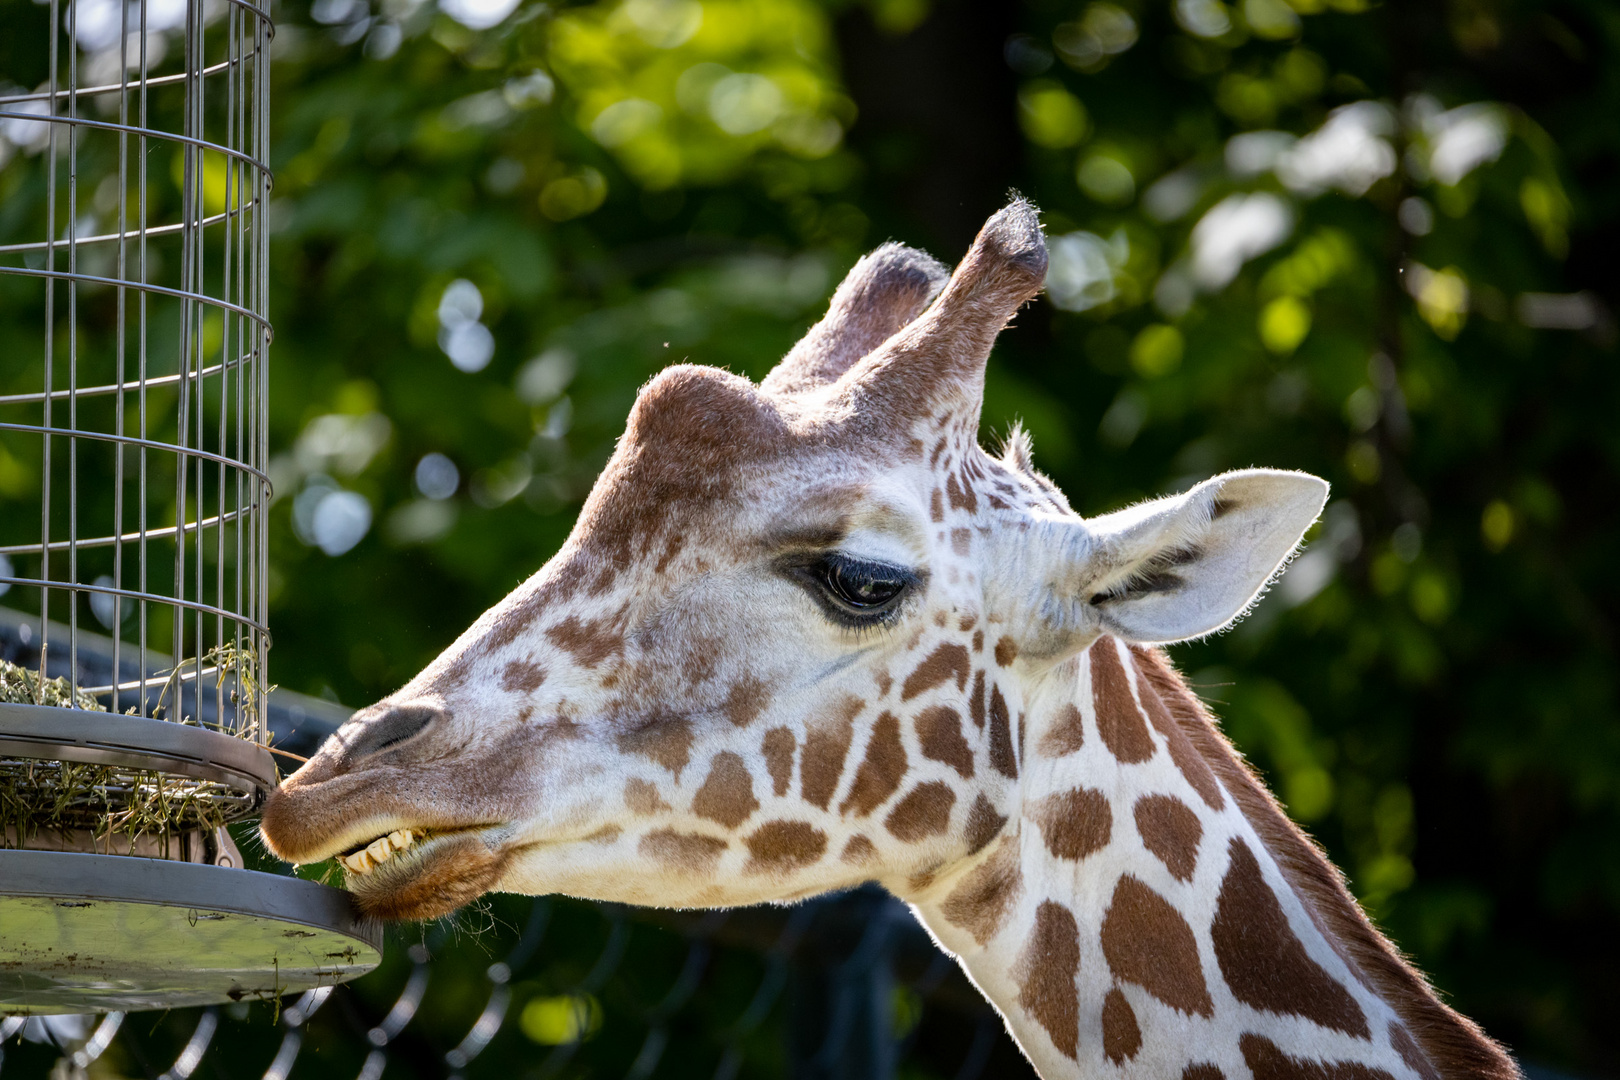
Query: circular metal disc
{"x": 104, "y": 933}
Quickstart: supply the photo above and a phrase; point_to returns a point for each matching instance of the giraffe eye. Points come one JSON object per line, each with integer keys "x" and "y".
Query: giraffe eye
{"x": 859, "y": 588}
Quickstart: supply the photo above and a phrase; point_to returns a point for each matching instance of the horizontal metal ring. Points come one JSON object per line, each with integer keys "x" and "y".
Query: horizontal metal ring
{"x": 150, "y": 444}
{"x": 49, "y": 733}
{"x": 165, "y": 533}
{"x": 132, "y": 234}
{"x": 131, "y": 387}
{"x": 149, "y": 133}
{"x": 107, "y": 88}
{"x": 161, "y": 290}
{"x": 131, "y": 594}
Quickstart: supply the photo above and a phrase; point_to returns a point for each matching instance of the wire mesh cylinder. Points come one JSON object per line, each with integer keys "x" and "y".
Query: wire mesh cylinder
{"x": 133, "y": 349}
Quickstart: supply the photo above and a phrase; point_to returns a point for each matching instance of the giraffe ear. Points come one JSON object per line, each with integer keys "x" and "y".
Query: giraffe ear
{"x": 1184, "y": 566}
{"x": 880, "y": 294}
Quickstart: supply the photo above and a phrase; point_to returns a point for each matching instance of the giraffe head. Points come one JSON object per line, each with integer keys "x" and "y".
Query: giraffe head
{"x": 785, "y": 647}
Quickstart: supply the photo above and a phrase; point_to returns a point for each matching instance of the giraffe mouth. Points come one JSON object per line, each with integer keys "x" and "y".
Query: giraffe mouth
{"x": 397, "y": 848}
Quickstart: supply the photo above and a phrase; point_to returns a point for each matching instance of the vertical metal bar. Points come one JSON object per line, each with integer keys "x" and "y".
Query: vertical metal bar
{"x": 225, "y": 322}
{"x": 261, "y": 365}
{"x": 188, "y": 195}
{"x": 199, "y": 268}
{"x": 118, "y": 360}
{"x": 50, "y": 350}
{"x": 141, "y": 557}
{"x": 73, "y": 349}
{"x": 141, "y": 554}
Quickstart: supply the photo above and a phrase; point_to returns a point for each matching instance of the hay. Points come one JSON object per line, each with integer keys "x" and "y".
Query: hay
{"x": 115, "y": 804}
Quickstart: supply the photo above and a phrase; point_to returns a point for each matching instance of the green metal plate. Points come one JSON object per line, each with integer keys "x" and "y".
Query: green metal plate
{"x": 104, "y": 933}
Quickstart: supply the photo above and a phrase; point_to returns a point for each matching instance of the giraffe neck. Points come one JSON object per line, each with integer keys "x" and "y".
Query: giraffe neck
{"x": 1150, "y": 908}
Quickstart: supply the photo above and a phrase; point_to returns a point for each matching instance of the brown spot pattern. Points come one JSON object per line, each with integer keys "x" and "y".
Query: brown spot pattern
{"x": 667, "y": 742}
{"x": 961, "y": 541}
{"x": 976, "y": 701}
{"x": 960, "y": 495}
{"x": 1122, "y": 1037}
{"x": 880, "y": 771}
{"x": 784, "y": 845}
{"x": 939, "y": 733}
{"x": 826, "y": 745}
{"x": 944, "y": 662}
{"x": 1410, "y": 1052}
{"x": 643, "y": 798}
{"x": 522, "y": 677}
{"x": 745, "y": 701}
{"x": 683, "y": 851}
{"x": 979, "y": 904}
{"x": 1263, "y": 961}
{"x": 1202, "y": 1071}
{"x": 1073, "y": 823}
{"x": 1119, "y": 721}
{"x": 1006, "y": 652}
{"x": 859, "y": 850}
{"x": 778, "y": 748}
{"x": 1065, "y": 735}
{"x": 727, "y": 796}
{"x": 1147, "y": 942}
{"x": 983, "y": 824}
{"x": 589, "y": 643}
{"x": 1045, "y": 975}
{"x": 925, "y": 811}
{"x": 1001, "y": 747}
{"x": 1267, "y": 1062}
{"x": 1182, "y": 751}
{"x": 1170, "y": 830}
{"x": 936, "y": 506}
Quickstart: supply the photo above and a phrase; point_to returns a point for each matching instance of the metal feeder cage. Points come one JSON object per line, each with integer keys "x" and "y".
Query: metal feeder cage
{"x": 133, "y": 501}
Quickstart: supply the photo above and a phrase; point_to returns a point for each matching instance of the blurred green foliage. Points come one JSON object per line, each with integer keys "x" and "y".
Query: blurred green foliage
{"x": 1364, "y": 240}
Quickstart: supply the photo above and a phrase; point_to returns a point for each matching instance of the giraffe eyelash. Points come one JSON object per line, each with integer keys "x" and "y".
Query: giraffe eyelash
{"x": 841, "y": 584}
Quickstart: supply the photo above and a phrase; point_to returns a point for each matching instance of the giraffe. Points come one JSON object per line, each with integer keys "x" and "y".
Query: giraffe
{"x": 808, "y": 634}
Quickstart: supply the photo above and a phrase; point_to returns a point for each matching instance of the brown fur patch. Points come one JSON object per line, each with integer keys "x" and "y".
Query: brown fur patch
{"x": 1001, "y": 747}
{"x": 688, "y": 852}
{"x": 826, "y": 745}
{"x": 1045, "y": 975}
{"x": 1147, "y": 942}
{"x": 605, "y": 835}
{"x": 1202, "y": 1071}
{"x": 1073, "y": 823}
{"x": 1119, "y": 721}
{"x": 643, "y": 798}
{"x": 884, "y": 682}
{"x": 1006, "y": 652}
{"x": 961, "y": 541}
{"x": 745, "y": 701}
{"x": 457, "y": 873}
{"x": 1122, "y": 1038}
{"x": 778, "y": 746}
{"x": 881, "y": 770}
{"x": 1187, "y": 758}
{"x": 589, "y": 643}
{"x": 1453, "y": 1043}
{"x": 522, "y": 677}
{"x": 1407, "y": 1047}
{"x": 979, "y": 904}
{"x": 668, "y": 742}
{"x": 936, "y": 506}
{"x": 1170, "y": 830}
{"x": 1267, "y": 1062}
{"x": 939, "y": 733}
{"x": 944, "y": 662}
{"x": 1065, "y": 735}
{"x": 976, "y": 701}
{"x": 1262, "y": 960}
{"x": 727, "y": 796}
{"x": 925, "y": 811}
{"x": 784, "y": 845}
{"x": 960, "y": 495}
{"x": 983, "y": 824}
{"x": 859, "y": 850}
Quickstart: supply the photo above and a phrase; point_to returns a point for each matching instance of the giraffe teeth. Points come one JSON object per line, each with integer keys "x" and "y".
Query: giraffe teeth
{"x": 379, "y": 851}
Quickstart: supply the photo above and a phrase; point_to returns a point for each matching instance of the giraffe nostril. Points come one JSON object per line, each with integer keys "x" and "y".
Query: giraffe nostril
{"x": 387, "y": 730}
